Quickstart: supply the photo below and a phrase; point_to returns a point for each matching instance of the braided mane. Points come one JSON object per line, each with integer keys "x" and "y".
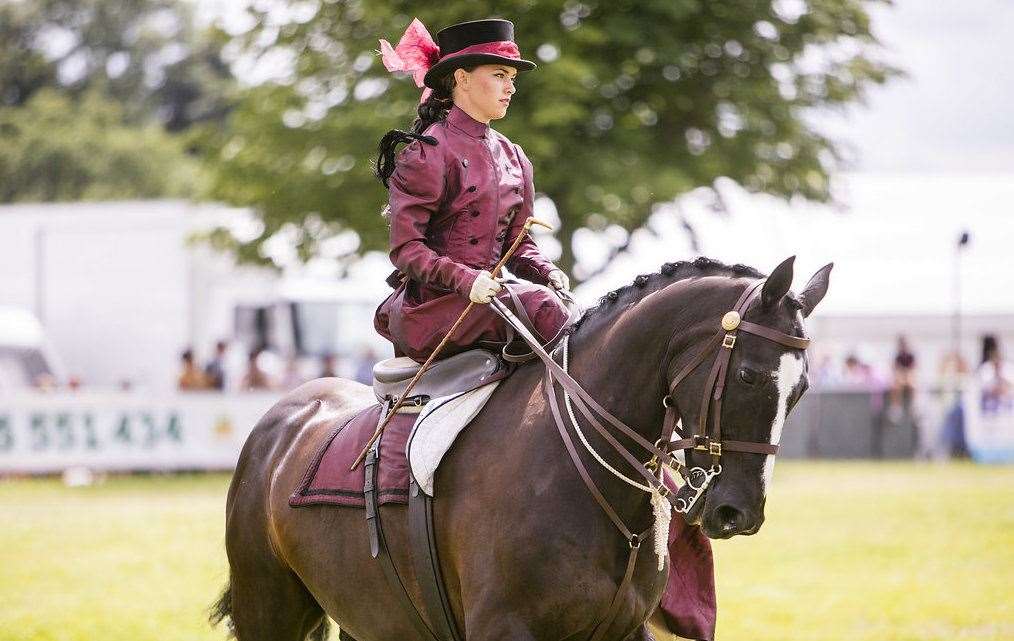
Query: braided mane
{"x": 647, "y": 283}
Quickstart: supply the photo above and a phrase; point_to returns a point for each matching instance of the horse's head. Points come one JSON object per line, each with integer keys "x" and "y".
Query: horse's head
{"x": 763, "y": 380}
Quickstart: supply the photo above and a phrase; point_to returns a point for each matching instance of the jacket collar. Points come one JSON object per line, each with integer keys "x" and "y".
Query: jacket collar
{"x": 469, "y": 125}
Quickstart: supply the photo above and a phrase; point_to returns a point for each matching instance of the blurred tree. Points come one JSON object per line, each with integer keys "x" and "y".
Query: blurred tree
{"x": 87, "y": 90}
{"x": 634, "y": 103}
{"x": 59, "y": 148}
{"x": 145, "y": 54}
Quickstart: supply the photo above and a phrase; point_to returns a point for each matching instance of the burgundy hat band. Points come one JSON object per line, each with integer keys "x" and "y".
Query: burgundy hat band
{"x": 505, "y": 48}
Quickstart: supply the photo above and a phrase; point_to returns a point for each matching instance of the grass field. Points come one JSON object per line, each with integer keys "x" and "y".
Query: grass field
{"x": 849, "y": 551}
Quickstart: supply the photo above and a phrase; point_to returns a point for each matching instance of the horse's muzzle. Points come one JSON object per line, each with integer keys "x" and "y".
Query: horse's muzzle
{"x": 727, "y": 520}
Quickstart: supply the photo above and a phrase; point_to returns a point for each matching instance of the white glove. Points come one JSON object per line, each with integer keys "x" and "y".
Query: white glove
{"x": 484, "y": 288}
{"x": 558, "y": 279}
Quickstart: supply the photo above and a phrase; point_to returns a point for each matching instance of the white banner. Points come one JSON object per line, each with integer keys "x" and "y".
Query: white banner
{"x": 50, "y": 432}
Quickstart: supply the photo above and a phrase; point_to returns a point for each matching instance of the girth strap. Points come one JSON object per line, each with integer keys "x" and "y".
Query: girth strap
{"x": 427, "y": 564}
{"x": 378, "y": 545}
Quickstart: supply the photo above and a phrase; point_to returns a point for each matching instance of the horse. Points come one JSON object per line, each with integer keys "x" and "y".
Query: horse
{"x": 525, "y": 551}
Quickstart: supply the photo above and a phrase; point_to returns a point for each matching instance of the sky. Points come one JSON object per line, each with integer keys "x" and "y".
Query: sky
{"x": 953, "y": 111}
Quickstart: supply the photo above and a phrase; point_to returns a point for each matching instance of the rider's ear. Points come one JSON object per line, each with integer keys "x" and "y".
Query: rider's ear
{"x": 778, "y": 283}
{"x": 815, "y": 289}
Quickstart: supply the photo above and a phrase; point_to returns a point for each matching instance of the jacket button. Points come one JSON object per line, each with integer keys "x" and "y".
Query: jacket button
{"x": 473, "y": 240}
{"x": 464, "y": 162}
{"x": 472, "y": 188}
{"x": 475, "y": 212}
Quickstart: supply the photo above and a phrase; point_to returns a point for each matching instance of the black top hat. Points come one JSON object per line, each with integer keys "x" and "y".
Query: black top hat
{"x": 479, "y": 42}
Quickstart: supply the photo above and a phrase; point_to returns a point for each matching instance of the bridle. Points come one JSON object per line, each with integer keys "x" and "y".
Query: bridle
{"x": 696, "y": 479}
{"x": 711, "y": 441}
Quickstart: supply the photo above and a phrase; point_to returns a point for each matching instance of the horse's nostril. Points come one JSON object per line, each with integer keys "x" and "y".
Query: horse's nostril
{"x": 729, "y": 518}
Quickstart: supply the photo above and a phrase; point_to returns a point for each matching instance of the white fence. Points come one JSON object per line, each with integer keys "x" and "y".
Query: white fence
{"x": 51, "y": 432}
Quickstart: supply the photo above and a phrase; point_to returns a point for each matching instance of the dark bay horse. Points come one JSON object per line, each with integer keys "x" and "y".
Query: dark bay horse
{"x": 525, "y": 550}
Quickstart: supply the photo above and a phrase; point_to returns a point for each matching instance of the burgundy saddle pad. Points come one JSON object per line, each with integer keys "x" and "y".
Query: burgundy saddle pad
{"x": 328, "y": 480}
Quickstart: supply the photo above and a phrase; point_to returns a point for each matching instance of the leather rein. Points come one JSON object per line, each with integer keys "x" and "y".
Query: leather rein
{"x": 705, "y": 440}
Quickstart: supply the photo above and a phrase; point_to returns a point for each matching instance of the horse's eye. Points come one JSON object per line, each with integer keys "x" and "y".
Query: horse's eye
{"x": 748, "y": 376}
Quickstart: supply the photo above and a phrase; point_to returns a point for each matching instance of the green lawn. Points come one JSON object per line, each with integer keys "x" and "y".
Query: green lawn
{"x": 849, "y": 551}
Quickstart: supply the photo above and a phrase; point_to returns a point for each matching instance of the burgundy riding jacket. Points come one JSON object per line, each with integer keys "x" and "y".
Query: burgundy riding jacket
{"x": 455, "y": 208}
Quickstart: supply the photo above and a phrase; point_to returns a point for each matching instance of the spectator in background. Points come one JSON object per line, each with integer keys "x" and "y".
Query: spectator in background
{"x": 899, "y": 399}
{"x": 364, "y": 366}
{"x": 994, "y": 375}
{"x": 44, "y": 382}
{"x": 215, "y": 369}
{"x": 293, "y": 377}
{"x": 854, "y": 373}
{"x": 904, "y": 365}
{"x": 255, "y": 378}
{"x": 191, "y": 377}
{"x": 950, "y": 441}
{"x": 329, "y": 366}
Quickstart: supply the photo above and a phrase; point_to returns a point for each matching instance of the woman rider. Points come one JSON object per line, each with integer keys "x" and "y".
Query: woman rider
{"x": 460, "y": 193}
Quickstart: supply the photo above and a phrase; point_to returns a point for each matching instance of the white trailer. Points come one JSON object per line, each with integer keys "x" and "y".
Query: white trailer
{"x": 120, "y": 292}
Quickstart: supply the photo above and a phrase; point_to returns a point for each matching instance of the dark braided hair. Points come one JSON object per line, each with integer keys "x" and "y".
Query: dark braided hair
{"x": 434, "y": 109}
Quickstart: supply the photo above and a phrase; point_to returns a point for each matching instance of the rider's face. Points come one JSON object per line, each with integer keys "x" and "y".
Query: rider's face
{"x": 485, "y": 92}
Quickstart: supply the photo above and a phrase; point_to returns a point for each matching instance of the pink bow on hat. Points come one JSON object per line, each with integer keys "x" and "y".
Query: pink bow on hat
{"x": 416, "y": 52}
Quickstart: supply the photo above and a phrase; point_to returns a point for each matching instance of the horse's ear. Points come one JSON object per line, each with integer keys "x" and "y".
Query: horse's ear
{"x": 778, "y": 283}
{"x": 815, "y": 289}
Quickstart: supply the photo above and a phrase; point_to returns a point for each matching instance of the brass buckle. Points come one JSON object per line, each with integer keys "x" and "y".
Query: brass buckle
{"x": 729, "y": 341}
{"x": 705, "y": 444}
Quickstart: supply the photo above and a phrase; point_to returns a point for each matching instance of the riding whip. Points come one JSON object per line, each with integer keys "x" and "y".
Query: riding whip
{"x": 387, "y": 419}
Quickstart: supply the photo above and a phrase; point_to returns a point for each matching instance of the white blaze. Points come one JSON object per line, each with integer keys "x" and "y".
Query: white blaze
{"x": 790, "y": 370}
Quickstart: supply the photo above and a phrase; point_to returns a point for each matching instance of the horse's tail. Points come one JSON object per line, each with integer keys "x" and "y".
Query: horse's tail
{"x": 221, "y": 610}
